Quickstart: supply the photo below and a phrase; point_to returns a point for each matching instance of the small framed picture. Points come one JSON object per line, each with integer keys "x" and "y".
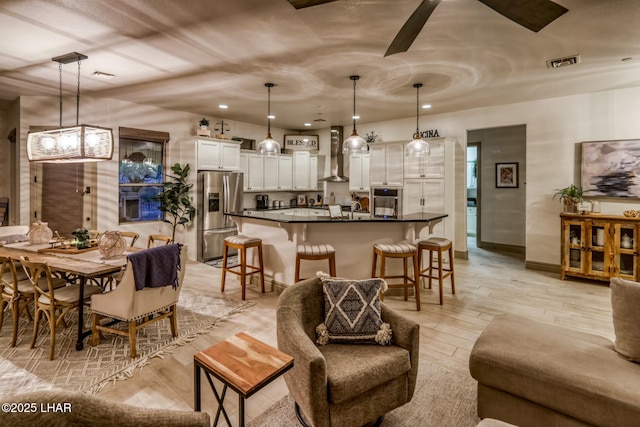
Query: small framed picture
{"x": 507, "y": 175}
{"x": 335, "y": 211}
{"x": 302, "y": 200}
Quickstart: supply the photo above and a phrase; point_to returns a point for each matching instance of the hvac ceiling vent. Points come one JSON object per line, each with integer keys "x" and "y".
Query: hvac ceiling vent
{"x": 563, "y": 62}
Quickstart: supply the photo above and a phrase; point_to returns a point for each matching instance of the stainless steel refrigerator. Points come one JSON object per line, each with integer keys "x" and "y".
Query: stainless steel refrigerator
{"x": 218, "y": 193}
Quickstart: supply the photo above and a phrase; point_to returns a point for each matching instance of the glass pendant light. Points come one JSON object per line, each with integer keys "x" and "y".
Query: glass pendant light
{"x": 418, "y": 147}
{"x": 75, "y": 144}
{"x": 269, "y": 146}
{"x": 355, "y": 143}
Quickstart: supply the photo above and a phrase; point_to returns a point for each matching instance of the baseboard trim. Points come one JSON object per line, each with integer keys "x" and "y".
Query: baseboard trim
{"x": 502, "y": 247}
{"x": 461, "y": 254}
{"x": 542, "y": 266}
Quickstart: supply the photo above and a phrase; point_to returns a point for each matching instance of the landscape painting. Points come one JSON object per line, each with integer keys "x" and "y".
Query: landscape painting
{"x": 611, "y": 168}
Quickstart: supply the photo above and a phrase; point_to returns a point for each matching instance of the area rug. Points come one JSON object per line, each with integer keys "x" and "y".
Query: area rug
{"x": 23, "y": 369}
{"x": 442, "y": 398}
{"x": 232, "y": 261}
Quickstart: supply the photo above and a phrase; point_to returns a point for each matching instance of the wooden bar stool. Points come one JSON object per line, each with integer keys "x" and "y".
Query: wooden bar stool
{"x": 316, "y": 252}
{"x": 404, "y": 251}
{"x": 242, "y": 243}
{"x": 440, "y": 245}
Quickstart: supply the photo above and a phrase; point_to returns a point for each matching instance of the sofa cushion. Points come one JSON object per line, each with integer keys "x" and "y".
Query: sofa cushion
{"x": 352, "y": 312}
{"x": 574, "y": 373}
{"x": 354, "y": 369}
{"x": 625, "y": 303}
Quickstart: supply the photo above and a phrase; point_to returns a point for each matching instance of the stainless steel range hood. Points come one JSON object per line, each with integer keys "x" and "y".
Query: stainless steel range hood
{"x": 336, "y": 160}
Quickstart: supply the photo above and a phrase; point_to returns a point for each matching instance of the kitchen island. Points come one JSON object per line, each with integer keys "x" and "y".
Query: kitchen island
{"x": 351, "y": 236}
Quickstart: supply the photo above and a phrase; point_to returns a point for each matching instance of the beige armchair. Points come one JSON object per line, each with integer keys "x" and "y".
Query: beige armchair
{"x": 343, "y": 384}
{"x": 138, "y": 308}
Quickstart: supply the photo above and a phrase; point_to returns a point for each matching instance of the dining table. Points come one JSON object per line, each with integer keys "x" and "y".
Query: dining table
{"x": 85, "y": 265}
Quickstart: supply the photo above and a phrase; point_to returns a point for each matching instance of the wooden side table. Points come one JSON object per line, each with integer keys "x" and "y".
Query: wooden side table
{"x": 242, "y": 363}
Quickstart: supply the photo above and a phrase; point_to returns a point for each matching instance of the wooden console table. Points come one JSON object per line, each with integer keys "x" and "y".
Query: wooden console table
{"x": 241, "y": 362}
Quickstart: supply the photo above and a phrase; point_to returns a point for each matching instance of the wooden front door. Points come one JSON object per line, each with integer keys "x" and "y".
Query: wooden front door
{"x": 62, "y": 186}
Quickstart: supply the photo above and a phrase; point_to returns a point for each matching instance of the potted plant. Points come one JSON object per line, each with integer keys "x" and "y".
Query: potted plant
{"x": 570, "y": 197}
{"x": 82, "y": 237}
{"x": 174, "y": 200}
{"x": 204, "y": 124}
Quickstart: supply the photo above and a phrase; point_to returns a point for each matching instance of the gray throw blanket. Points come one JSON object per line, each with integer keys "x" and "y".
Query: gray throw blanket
{"x": 156, "y": 267}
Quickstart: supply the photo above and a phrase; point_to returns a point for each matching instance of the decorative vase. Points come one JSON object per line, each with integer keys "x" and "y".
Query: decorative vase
{"x": 40, "y": 233}
{"x": 111, "y": 244}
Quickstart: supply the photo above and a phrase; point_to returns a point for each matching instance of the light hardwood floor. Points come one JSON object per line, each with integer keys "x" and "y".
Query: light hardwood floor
{"x": 487, "y": 284}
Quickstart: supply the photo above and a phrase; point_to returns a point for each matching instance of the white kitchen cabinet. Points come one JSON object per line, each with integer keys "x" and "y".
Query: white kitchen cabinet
{"x": 432, "y": 166}
{"x": 386, "y": 164}
{"x": 305, "y": 171}
{"x": 359, "y": 172}
{"x": 425, "y": 195}
{"x": 210, "y": 153}
{"x": 252, "y": 166}
{"x": 313, "y": 172}
{"x": 285, "y": 172}
{"x": 218, "y": 155}
{"x": 270, "y": 173}
{"x": 472, "y": 220}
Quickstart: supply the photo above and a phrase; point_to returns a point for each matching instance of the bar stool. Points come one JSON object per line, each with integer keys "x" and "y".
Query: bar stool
{"x": 316, "y": 252}
{"x": 404, "y": 251}
{"x": 242, "y": 243}
{"x": 440, "y": 245}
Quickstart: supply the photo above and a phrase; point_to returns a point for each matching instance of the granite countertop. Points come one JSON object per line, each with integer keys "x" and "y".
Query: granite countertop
{"x": 290, "y": 218}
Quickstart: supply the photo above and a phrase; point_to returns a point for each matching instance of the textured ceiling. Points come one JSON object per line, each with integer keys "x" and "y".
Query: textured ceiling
{"x": 191, "y": 55}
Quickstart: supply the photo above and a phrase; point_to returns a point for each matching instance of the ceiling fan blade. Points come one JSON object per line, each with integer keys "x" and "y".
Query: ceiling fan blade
{"x": 301, "y": 4}
{"x": 531, "y": 14}
{"x": 412, "y": 27}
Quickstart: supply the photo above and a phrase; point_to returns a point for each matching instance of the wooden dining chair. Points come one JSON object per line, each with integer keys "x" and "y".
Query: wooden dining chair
{"x": 129, "y": 235}
{"x": 54, "y": 303}
{"x": 17, "y": 292}
{"x": 158, "y": 240}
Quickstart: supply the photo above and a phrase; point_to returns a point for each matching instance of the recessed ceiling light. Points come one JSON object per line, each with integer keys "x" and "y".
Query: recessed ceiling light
{"x": 355, "y": 117}
{"x": 307, "y": 124}
{"x": 425, "y": 106}
{"x": 223, "y": 106}
{"x": 102, "y": 75}
{"x": 271, "y": 117}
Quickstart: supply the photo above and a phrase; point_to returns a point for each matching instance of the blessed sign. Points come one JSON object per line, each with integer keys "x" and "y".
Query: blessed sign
{"x": 301, "y": 142}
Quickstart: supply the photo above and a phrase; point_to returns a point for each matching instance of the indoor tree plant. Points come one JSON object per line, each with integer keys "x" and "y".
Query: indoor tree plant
{"x": 570, "y": 197}
{"x": 174, "y": 199}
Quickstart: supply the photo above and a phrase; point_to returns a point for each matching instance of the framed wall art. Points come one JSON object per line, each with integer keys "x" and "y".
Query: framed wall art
{"x": 301, "y": 142}
{"x": 611, "y": 168}
{"x": 507, "y": 175}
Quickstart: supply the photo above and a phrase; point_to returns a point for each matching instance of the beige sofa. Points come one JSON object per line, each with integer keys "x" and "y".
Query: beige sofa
{"x": 534, "y": 374}
{"x": 70, "y": 409}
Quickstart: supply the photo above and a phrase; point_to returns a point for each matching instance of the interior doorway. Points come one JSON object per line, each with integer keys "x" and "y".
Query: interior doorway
{"x": 62, "y": 196}
{"x": 472, "y": 189}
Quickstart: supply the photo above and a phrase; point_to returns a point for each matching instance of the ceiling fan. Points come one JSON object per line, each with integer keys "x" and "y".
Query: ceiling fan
{"x": 531, "y": 14}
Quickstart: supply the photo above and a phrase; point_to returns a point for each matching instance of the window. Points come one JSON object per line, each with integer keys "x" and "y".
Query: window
{"x": 141, "y": 174}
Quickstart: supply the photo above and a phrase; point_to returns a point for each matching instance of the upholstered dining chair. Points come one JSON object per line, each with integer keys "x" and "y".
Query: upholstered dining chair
{"x": 52, "y": 300}
{"x": 130, "y": 237}
{"x": 339, "y": 384}
{"x": 158, "y": 240}
{"x": 139, "y": 308}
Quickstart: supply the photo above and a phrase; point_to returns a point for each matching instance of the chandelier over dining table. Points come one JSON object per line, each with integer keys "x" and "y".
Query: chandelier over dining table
{"x": 72, "y": 144}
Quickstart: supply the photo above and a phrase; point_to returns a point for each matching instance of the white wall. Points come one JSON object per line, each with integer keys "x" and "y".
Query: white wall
{"x": 554, "y": 126}
{"x": 502, "y": 209}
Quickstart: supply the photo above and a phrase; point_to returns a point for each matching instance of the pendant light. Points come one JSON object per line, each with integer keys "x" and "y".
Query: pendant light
{"x": 269, "y": 146}
{"x": 418, "y": 147}
{"x": 355, "y": 143}
{"x": 79, "y": 143}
